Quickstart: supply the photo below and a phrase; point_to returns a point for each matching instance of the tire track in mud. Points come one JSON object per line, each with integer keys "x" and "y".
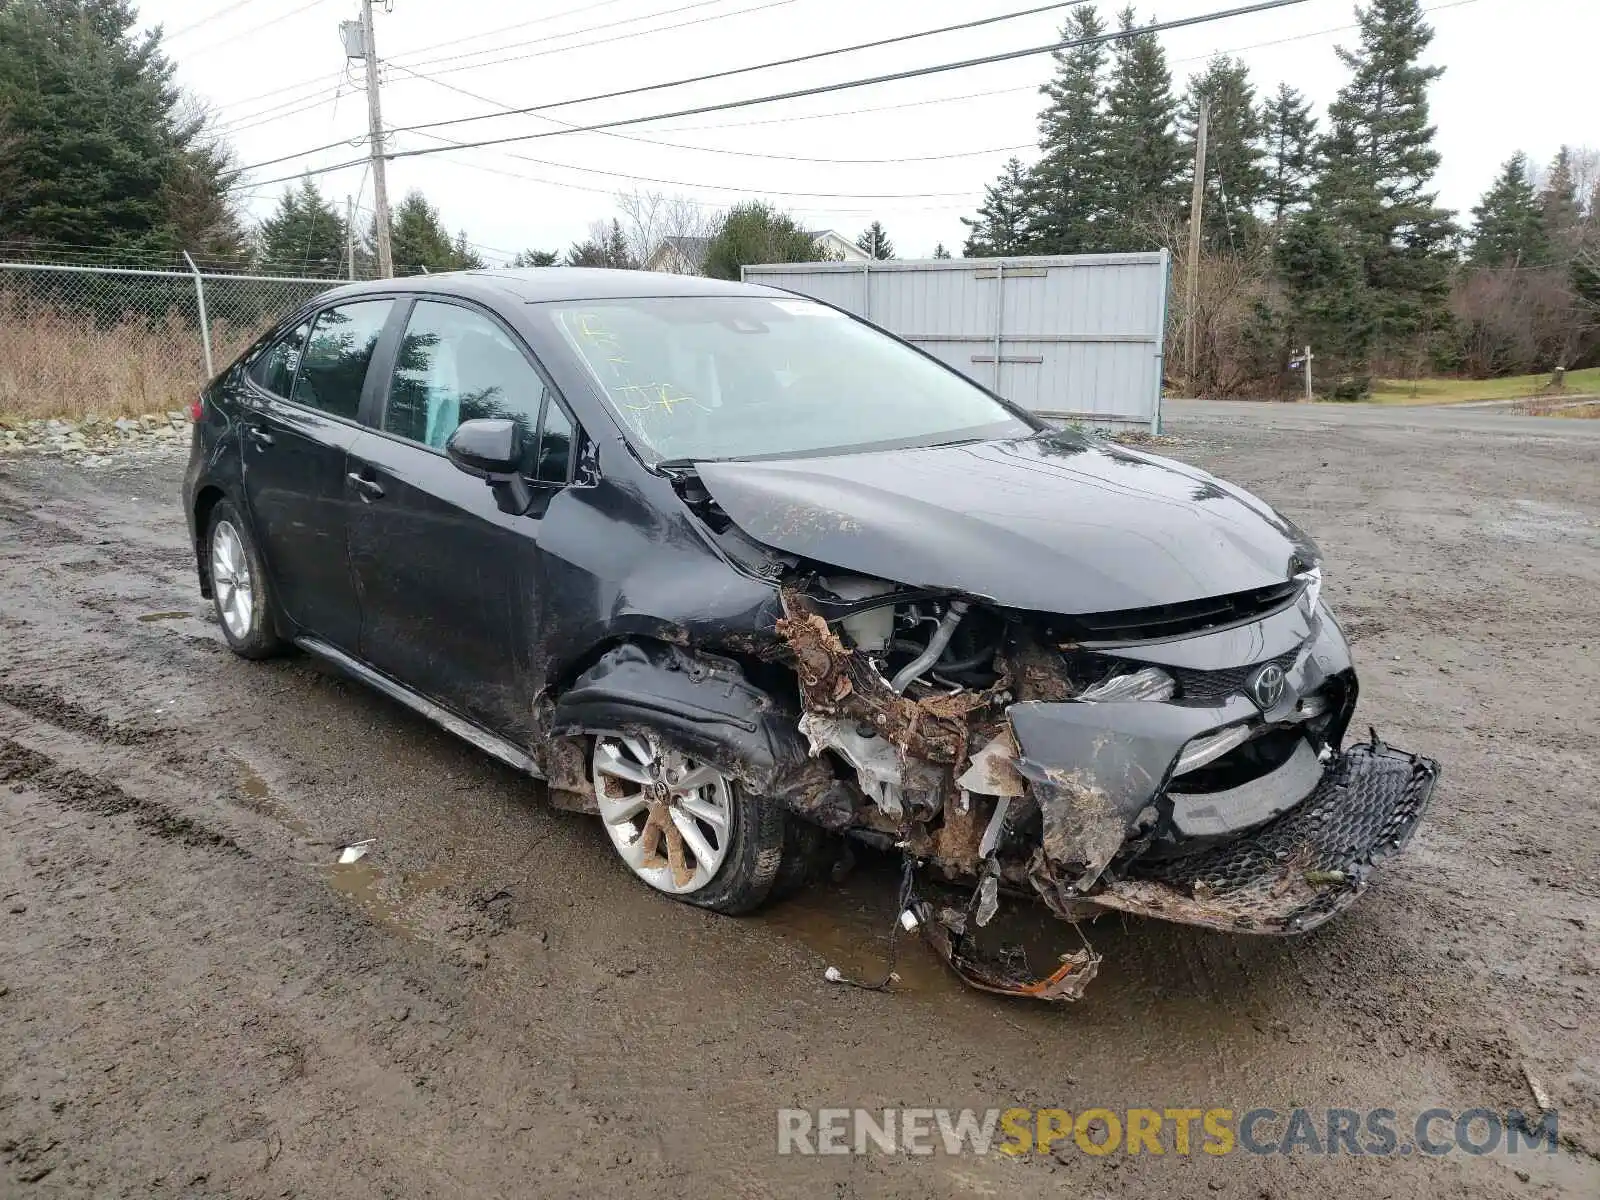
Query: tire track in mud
{"x": 45, "y": 705}
{"x": 23, "y": 767}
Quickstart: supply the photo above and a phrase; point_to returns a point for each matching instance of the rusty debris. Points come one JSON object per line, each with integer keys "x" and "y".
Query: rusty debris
{"x": 1067, "y": 982}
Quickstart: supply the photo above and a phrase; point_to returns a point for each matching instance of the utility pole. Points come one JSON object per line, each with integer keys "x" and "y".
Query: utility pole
{"x": 1309, "y": 397}
{"x": 1191, "y": 291}
{"x": 350, "y": 232}
{"x": 380, "y": 186}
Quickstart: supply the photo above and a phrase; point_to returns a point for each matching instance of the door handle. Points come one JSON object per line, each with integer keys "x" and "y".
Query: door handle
{"x": 370, "y": 489}
{"x": 258, "y": 435}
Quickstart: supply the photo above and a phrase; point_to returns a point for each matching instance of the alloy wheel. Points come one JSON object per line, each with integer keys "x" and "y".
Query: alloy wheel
{"x": 231, "y": 581}
{"x": 670, "y": 817}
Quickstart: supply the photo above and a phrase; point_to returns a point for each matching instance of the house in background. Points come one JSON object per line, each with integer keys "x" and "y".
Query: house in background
{"x": 687, "y": 255}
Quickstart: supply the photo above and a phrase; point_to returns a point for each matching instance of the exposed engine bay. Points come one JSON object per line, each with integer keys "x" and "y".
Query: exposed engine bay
{"x": 1013, "y": 753}
{"x": 1183, "y": 760}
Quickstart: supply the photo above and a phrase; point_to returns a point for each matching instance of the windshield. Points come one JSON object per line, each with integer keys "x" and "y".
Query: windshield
{"x": 708, "y": 377}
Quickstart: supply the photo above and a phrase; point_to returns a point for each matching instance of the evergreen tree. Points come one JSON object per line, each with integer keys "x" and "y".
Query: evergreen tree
{"x": 1559, "y": 197}
{"x": 606, "y": 246}
{"x": 1067, "y": 198}
{"x": 417, "y": 238}
{"x": 1331, "y": 307}
{"x": 304, "y": 236}
{"x": 463, "y": 257}
{"x": 1289, "y": 131}
{"x": 875, "y": 242}
{"x": 1143, "y": 160}
{"x": 940, "y": 252}
{"x": 1236, "y": 180}
{"x": 755, "y": 232}
{"x": 1509, "y": 223}
{"x": 536, "y": 258}
{"x": 202, "y": 217}
{"x": 97, "y": 147}
{"x": 1002, "y": 224}
{"x": 1379, "y": 160}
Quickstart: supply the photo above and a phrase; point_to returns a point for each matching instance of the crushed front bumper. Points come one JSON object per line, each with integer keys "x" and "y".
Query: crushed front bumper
{"x": 1293, "y": 873}
{"x": 1284, "y": 877}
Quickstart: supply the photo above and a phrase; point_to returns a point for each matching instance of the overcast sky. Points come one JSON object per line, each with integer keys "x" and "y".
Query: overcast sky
{"x": 1520, "y": 75}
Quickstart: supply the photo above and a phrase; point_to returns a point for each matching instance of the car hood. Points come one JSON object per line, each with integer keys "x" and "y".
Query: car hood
{"x": 1053, "y": 523}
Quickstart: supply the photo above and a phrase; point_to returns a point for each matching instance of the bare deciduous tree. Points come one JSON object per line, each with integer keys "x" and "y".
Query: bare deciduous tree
{"x": 649, "y": 218}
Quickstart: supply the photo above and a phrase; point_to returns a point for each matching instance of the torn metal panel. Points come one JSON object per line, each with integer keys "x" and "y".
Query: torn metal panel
{"x": 993, "y": 768}
{"x": 1094, "y": 767}
{"x": 878, "y": 764}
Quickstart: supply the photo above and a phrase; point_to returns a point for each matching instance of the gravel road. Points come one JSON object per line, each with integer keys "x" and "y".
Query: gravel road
{"x": 195, "y": 1001}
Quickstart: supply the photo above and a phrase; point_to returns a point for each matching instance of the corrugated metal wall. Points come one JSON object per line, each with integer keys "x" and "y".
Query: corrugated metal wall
{"x": 1078, "y": 336}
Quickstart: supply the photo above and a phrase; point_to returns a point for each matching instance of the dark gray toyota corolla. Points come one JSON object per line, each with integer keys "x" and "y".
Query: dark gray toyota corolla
{"x": 746, "y": 577}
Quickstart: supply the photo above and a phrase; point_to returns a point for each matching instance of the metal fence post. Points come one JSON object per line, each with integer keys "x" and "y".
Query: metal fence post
{"x": 999, "y": 316}
{"x": 205, "y": 325}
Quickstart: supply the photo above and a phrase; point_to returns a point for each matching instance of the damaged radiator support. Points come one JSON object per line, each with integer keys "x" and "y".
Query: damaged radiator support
{"x": 953, "y": 777}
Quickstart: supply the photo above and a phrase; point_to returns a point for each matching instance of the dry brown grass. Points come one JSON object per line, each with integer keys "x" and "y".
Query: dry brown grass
{"x": 59, "y": 364}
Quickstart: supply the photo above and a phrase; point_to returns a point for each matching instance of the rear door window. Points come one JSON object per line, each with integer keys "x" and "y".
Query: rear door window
{"x": 456, "y": 365}
{"x": 333, "y": 367}
{"x": 275, "y": 366}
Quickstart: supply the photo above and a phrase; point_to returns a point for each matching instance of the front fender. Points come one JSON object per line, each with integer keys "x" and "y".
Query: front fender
{"x": 701, "y": 704}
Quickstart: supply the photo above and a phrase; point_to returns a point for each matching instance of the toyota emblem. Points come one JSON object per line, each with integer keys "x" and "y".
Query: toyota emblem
{"x": 1266, "y": 686}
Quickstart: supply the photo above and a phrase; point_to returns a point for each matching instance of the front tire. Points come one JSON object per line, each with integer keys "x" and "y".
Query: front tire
{"x": 239, "y": 588}
{"x": 686, "y": 828}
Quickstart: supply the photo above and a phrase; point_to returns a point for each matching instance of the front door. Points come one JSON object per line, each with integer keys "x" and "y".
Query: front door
{"x": 448, "y": 582}
{"x": 298, "y": 423}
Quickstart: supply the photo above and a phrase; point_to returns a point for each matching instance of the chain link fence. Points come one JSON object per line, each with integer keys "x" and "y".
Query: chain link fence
{"x": 113, "y": 341}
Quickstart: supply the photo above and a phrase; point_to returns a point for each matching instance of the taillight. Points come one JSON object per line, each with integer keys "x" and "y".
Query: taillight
{"x": 197, "y": 410}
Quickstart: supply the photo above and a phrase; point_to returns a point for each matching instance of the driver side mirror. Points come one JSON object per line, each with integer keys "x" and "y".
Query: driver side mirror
{"x": 491, "y": 449}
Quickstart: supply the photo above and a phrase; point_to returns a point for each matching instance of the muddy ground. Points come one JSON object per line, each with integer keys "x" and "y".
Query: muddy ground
{"x": 195, "y": 1001}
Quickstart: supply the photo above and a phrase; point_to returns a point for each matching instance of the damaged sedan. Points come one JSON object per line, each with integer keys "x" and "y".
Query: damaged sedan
{"x": 752, "y": 580}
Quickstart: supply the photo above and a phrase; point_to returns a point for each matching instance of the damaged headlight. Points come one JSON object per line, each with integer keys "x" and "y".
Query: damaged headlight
{"x": 1147, "y": 683}
{"x": 1311, "y": 592}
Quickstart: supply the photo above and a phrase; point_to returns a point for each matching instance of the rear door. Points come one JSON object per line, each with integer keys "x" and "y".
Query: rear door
{"x": 448, "y": 582}
{"x": 299, "y": 421}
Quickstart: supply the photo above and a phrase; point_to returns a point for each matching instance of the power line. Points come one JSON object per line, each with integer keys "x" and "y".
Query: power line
{"x": 601, "y": 191}
{"x": 781, "y": 62}
{"x": 472, "y": 37}
{"x": 192, "y": 25}
{"x": 1010, "y": 91}
{"x": 323, "y": 80}
{"x": 555, "y": 37}
{"x": 621, "y": 37}
{"x": 234, "y": 37}
{"x": 715, "y": 187}
{"x": 627, "y": 137}
{"x": 320, "y": 81}
{"x": 820, "y": 89}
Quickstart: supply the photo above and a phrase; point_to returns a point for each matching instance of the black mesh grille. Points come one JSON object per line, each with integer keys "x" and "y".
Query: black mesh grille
{"x": 1296, "y": 871}
{"x": 1191, "y": 616}
{"x": 1211, "y": 688}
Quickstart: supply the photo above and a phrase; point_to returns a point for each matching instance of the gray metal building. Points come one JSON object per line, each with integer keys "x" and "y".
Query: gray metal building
{"x": 1076, "y": 337}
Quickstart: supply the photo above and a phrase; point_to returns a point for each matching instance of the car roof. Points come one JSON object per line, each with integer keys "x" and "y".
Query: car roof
{"x": 535, "y": 285}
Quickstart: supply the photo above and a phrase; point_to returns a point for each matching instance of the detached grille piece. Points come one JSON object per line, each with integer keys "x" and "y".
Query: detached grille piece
{"x": 1297, "y": 871}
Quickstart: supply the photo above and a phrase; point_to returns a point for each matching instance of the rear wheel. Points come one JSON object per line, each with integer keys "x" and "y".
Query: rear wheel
{"x": 685, "y": 827}
{"x": 239, "y": 587}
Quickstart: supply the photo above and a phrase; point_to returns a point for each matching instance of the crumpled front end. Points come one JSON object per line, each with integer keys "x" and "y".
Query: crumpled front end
{"x": 1197, "y": 778}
